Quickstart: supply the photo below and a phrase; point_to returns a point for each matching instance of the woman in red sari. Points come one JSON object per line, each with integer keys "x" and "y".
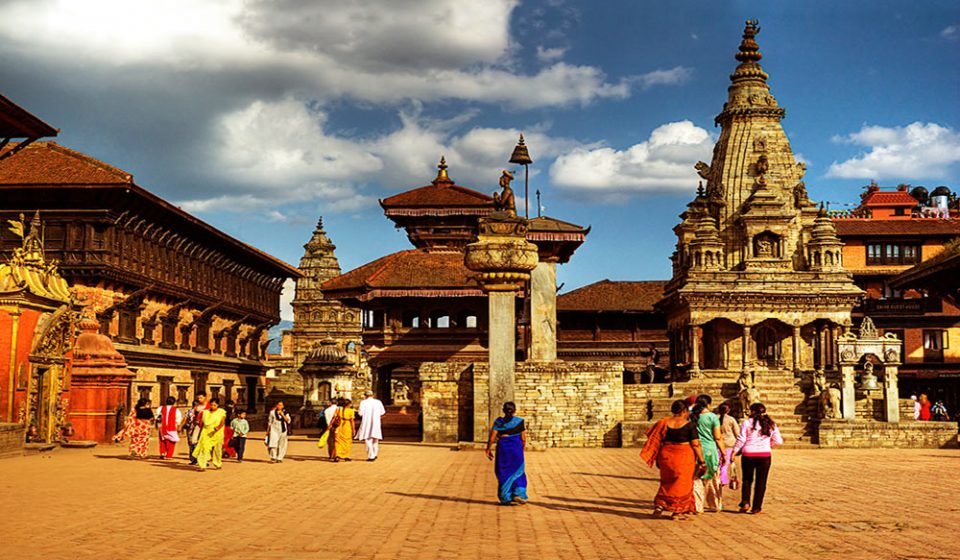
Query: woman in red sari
{"x": 137, "y": 428}
{"x": 673, "y": 444}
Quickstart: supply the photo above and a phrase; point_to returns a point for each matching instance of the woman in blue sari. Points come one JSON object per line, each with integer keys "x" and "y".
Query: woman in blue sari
{"x": 509, "y": 433}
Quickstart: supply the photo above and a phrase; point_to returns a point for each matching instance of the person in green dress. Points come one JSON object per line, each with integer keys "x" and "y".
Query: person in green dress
{"x": 706, "y": 488}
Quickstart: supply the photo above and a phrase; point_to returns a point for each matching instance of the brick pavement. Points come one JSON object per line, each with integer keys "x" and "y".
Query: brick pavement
{"x": 420, "y": 501}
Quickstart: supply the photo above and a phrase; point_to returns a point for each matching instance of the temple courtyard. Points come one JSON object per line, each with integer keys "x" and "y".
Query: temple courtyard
{"x": 422, "y": 501}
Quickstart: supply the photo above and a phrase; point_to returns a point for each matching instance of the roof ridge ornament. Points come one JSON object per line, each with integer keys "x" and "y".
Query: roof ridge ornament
{"x": 442, "y": 177}
{"x": 749, "y": 49}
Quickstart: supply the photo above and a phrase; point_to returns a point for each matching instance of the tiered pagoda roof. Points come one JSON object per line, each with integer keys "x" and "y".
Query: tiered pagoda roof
{"x": 611, "y": 295}
{"x": 410, "y": 273}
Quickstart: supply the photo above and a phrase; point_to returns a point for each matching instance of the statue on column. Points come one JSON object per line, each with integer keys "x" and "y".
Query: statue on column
{"x": 504, "y": 201}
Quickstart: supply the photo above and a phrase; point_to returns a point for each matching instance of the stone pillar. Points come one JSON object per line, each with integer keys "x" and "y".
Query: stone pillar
{"x": 796, "y": 349}
{"x": 821, "y": 336}
{"x": 891, "y": 393}
{"x": 848, "y": 392}
{"x": 694, "y": 350}
{"x": 543, "y": 312}
{"x": 503, "y": 258}
{"x": 502, "y": 348}
{"x": 746, "y": 347}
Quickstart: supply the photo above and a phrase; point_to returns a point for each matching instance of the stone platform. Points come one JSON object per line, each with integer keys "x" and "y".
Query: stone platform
{"x": 11, "y": 439}
{"x": 906, "y": 434}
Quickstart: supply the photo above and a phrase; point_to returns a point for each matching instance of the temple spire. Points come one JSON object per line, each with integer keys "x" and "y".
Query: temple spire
{"x": 749, "y": 49}
{"x": 442, "y": 177}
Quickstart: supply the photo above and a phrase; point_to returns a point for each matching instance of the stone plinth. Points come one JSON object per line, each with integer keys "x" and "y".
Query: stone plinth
{"x": 11, "y": 439}
{"x": 444, "y": 401}
{"x": 858, "y": 434}
{"x": 543, "y": 312}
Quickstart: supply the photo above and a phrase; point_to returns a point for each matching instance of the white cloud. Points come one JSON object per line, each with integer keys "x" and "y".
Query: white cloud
{"x": 662, "y": 162}
{"x": 951, "y": 32}
{"x": 675, "y": 76}
{"x": 429, "y": 50}
{"x": 918, "y": 150}
{"x": 286, "y": 298}
{"x": 552, "y": 54}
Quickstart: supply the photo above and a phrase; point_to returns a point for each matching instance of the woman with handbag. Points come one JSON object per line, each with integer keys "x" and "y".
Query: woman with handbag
{"x": 673, "y": 444}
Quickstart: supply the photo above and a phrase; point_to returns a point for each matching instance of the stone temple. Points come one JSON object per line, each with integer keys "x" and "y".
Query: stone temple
{"x": 759, "y": 308}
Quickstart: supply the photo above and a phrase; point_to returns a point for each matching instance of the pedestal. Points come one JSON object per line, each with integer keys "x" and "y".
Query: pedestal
{"x": 891, "y": 393}
{"x": 848, "y": 392}
{"x": 543, "y": 312}
{"x": 502, "y": 350}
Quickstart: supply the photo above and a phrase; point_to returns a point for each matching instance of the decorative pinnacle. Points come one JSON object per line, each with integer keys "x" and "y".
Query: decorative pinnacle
{"x": 749, "y": 49}
{"x": 442, "y": 176}
{"x": 521, "y": 155}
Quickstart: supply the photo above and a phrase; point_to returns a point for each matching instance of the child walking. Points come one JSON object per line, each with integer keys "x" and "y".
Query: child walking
{"x": 240, "y": 429}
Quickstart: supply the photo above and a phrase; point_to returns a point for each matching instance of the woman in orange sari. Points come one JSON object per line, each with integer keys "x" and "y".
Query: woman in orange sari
{"x": 343, "y": 436}
{"x": 673, "y": 444}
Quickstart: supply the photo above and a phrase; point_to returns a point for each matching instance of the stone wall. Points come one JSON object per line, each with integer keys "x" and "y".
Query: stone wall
{"x": 841, "y": 433}
{"x": 11, "y": 439}
{"x": 564, "y": 404}
{"x": 440, "y": 386}
{"x": 643, "y": 405}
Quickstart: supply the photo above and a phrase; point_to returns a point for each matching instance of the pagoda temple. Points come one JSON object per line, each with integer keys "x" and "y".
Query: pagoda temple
{"x": 758, "y": 284}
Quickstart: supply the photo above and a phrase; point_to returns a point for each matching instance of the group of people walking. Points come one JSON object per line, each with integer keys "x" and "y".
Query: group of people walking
{"x": 213, "y": 432}
{"x": 696, "y": 451}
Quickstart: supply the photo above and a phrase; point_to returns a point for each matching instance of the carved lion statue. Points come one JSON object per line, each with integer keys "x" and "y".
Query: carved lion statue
{"x": 830, "y": 402}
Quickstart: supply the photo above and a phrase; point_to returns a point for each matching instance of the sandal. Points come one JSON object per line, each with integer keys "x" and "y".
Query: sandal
{"x": 744, "y": 508}
{"x": 658, "y": 511}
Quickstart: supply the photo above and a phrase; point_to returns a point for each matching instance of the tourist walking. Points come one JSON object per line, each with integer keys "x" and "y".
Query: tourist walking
{"x": 209, "y": 447}
{"x": 673, "y": 444}
{"x": 228, "y": 450}
{"x": 509, "y": 433}
{"x": 370, "y": 411}
{"x": 137, "y": 427}
{"x": 240, "y": 428}
{"x": 169, "y": 419}
{"x": 328, "y": 415}
{"x": 343, "y": 433}
{"x": 758, "y": 434}
{"x": 706, "y": 488}
{"x": 278, "y": 430}
{"x": 730, "y": 430}
{"x": 195, "y": 423}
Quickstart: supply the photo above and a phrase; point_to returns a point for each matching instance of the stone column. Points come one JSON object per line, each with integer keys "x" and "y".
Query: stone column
{"x": 891, "y": 392}
{"x": 746, "y": 346}
{"x": 543, "y": 312}
{"x": 694, "y": 350}
{"x": 821, "y": 355}
{"x": 796, "y": 349}
{"x": 503, "y": 258}
{"x": 848, "y": 392}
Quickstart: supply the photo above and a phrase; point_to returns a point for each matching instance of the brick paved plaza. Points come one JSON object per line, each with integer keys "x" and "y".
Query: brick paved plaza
{"x": 432, "y": 502}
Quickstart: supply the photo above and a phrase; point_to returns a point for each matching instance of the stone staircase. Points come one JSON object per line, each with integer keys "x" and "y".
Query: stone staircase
{"x": 785, "y": 402}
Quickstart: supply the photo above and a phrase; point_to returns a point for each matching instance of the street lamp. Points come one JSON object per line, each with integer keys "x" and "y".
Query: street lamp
{"x": 522, "y": 157}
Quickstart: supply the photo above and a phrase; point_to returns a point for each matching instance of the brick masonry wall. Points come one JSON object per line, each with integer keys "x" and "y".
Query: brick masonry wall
{"x": 881, "y": 434}
{"x": 11, "y": 439}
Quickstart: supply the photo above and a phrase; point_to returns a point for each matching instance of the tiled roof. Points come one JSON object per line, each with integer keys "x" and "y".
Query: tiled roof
{"x": 609, "y": 295}
{"x": 410, "y": 273}
{"x": 866, "y": 227}
{"x": 889, "y": 198}
{"x": 546, "y": 223}
{"x": 440, "y": 194}
{"x": 49, "y": 163}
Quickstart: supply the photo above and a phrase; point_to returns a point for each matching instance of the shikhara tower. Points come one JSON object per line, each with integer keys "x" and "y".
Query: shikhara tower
{"x": 758, "y": 283}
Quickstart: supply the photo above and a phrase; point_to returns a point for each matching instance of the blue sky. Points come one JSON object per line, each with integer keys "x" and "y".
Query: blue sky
{"x": 259, "y": 116}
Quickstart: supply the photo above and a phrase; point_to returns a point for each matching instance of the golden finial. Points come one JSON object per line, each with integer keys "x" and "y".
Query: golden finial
{"x": 749, "y": 49}
{"x": 442, "y": 176}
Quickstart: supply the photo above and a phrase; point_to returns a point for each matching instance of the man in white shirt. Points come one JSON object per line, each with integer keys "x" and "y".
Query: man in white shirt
{"x": 370, "y": 411}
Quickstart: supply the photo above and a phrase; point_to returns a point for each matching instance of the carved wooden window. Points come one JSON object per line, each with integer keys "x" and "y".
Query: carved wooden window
{"x": 128, "y": 325}
{"x": 324, "y": 391}
{"x": 165, "y": 384}
{"x": 168, "y": 334}
{"x": 935, "y": 341}
{"x": 892, "y": 252}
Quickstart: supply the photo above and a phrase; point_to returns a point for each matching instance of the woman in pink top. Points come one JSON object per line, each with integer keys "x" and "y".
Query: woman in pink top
{"x": 757, "y": 434}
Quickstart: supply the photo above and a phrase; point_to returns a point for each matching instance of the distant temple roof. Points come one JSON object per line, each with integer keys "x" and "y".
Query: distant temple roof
{"x": 53, "y": 171}
{"x": 410, "y": 273}
{"x": 867, "y": 227}
{"x": 610, "y": 295}
{"x": 875, "y": 198}
{"x": 441, "y": 197}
